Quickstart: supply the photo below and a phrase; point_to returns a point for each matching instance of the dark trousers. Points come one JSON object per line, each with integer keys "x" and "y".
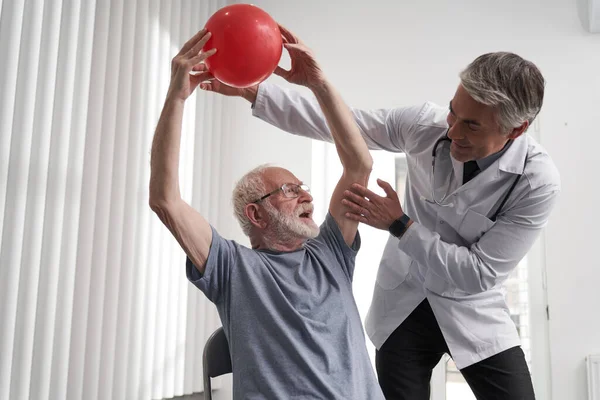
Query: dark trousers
{"x": 405, "y": 362}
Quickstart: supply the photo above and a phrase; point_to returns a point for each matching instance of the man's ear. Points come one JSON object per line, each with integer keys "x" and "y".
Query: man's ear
{"x": 256, "y": 215}
{"x": 518, "y": 131}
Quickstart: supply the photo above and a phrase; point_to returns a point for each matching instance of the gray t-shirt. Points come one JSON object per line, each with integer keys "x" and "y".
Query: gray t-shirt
{"x": 293, "y": 327}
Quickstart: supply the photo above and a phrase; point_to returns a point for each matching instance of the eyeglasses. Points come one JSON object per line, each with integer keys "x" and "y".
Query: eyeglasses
{"x": 290, "y": 190}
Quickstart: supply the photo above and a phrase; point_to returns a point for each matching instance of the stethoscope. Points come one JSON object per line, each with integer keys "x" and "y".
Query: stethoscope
{"x": 443, "y": 202}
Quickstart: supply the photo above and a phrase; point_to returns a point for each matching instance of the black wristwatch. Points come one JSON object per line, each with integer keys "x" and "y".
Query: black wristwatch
{"x": 399, "y": 226}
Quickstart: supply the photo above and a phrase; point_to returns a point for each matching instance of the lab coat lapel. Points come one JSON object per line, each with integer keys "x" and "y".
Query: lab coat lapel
{"x": 444, "y": 178}
{"x": 511, "y": 161}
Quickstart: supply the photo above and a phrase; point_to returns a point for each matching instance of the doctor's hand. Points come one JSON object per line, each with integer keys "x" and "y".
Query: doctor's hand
{"x": 369, "y": 208}
{"x": 304, "y": 69}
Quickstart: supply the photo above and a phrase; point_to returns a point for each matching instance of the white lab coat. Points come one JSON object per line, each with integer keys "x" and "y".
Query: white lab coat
{"x": 456, "y": 257}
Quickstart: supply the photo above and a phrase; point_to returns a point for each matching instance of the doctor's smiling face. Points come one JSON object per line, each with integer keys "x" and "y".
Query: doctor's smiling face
{"x": 499, "y": 96}
{"x": 474, "y": 128}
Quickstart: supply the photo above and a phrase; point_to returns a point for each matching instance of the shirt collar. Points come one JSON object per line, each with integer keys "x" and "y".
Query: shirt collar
{"x": 513, "y": 159}
{"x": 485, "y": 162}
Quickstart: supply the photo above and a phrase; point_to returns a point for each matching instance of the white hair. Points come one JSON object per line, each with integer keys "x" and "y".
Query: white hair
{"x": 507, "y": 82}
{"x": 249, "y": 188}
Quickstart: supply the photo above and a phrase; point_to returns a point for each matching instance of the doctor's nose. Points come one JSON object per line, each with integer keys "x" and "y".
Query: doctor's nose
{"x": 450, "y": 120}
{"x": 454, "y": 132}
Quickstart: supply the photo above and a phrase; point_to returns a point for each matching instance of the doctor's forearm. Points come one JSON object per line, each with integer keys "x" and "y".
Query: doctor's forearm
{"x": 290, "y": 111}
{"x": 462, "y": 268}
{"x": 250, "y": 94}
{"x": 301, "y": 115}
{"x": 492, "y": 258}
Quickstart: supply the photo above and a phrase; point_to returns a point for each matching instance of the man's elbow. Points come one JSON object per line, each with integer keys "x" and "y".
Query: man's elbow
{"x": 160, "y": 197}
{"x": 159, "y": 207}
{"x": 155, "y": 200}
{"x": 162, "y": 190}
{"x": 361, "y": 167}
{"x": 156, "y": 205}
{"x": 162, "y": 206}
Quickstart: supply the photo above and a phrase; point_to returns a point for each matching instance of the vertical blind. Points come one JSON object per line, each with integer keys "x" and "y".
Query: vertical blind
{"x": 94, "y": 303}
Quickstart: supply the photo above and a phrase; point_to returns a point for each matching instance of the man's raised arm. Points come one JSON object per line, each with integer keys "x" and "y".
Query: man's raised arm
{"x": 351, "y": 147}
{"x": 190, "y": 229}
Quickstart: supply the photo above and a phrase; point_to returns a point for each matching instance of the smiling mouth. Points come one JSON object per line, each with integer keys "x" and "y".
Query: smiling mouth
{"x": 460, "y": 146}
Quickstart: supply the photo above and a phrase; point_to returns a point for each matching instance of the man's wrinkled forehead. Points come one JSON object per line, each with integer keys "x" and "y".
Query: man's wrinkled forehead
{"x": 274, "y": 177}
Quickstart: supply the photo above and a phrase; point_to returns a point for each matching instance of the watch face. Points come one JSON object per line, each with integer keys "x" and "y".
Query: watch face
{"x": 399, "y": 226}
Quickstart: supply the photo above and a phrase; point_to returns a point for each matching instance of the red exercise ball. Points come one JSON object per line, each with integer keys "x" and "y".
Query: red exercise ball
{"x": 248, "y": 43}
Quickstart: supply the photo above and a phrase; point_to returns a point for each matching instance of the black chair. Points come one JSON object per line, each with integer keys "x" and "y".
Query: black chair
{"x": 216, "y": 360}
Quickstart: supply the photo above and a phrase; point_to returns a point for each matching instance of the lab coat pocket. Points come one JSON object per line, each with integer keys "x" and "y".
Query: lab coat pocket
{"x": 473, "y": 226}
{"x": 438, "y": 285}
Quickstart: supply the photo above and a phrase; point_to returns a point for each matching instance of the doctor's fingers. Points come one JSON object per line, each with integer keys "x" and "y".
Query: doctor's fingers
{"x": 364, "y": 192}
{"x": 287, "y": 35}
{"x": 358, "y": 217}
{"x": 355, "y": 198}
{"x": 388, "y": 189}
{"x": 285, "y": 74}
{"x": 355, "y": 208}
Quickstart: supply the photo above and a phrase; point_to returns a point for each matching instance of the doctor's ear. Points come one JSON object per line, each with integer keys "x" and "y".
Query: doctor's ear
{"x": 518, "y": 131}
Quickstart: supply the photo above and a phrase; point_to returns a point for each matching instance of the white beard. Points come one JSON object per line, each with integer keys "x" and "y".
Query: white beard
{"x": 286, "y": 227}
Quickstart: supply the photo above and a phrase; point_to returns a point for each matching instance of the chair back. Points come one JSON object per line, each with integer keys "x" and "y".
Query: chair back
{"x": 216, "y": 360}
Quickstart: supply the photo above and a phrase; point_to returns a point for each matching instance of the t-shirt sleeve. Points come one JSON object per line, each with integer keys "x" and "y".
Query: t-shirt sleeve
{"x": 332, "y": 237}
{"x": 214, "y": 283}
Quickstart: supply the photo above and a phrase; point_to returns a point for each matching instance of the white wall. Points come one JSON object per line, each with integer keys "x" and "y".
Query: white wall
{"x": 382, "y": 54}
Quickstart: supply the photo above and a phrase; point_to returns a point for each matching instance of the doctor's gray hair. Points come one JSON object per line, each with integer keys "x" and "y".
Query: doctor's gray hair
{"x": 507, "y": 82}
{"x": 248, "y": 189}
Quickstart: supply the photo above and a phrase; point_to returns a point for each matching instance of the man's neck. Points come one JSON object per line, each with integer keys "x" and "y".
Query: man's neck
{"x": 274, "y": 244}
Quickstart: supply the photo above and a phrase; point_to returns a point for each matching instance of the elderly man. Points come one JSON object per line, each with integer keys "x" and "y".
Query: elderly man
{"x": 286, "y": 304}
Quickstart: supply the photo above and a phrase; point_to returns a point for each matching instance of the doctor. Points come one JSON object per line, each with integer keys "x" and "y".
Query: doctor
{"x": 479, "y": 191}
